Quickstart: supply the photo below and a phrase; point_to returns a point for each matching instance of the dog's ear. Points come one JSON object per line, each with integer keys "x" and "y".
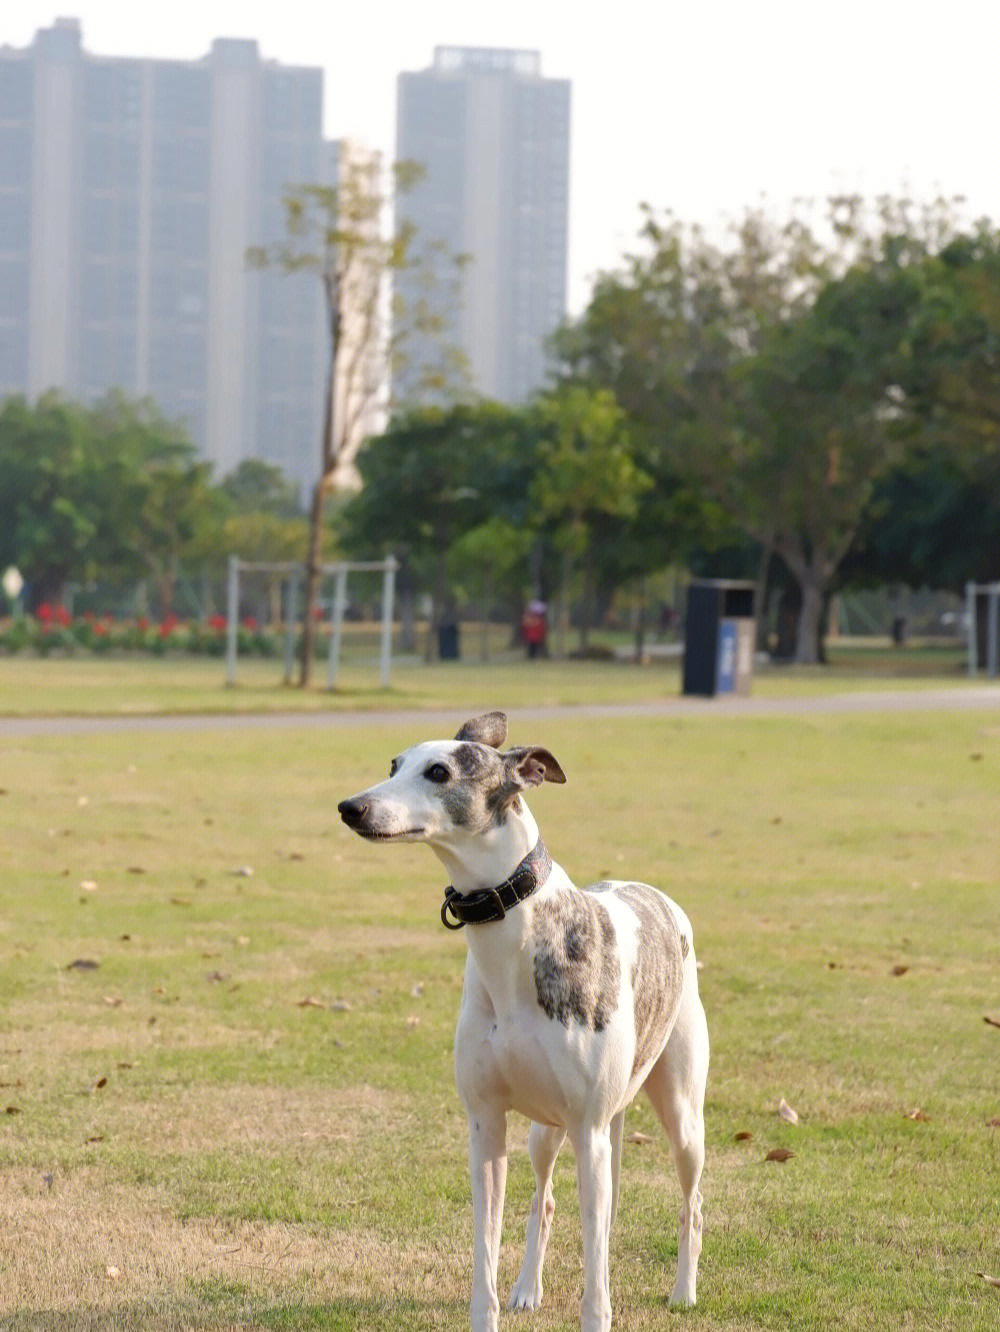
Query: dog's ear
{"x": 489, "y": 729}
{"x": 532, "y": 766}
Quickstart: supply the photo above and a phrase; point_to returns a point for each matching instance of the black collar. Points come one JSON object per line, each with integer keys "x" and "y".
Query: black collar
{"x": 483, "y": 905}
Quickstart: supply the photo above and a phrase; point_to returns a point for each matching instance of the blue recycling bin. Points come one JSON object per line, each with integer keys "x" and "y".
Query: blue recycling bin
{"x": 719, "y": 637}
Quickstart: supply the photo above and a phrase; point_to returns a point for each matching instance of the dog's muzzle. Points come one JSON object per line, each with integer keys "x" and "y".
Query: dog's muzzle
{"x": 355, "y": 812}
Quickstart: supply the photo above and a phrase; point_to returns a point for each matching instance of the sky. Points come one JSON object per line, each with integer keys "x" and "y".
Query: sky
{"x": 704, "y": 107}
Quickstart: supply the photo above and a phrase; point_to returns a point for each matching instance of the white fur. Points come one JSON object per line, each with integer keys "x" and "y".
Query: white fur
{"x": 570, "y": 1080}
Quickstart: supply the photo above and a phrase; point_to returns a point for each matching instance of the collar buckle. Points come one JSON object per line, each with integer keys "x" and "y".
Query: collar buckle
{"x": 486, "y": 905}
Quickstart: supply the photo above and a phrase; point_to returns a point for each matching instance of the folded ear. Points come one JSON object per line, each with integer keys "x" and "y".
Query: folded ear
{"x": 532, "y": 766}
{"x": 489, "y": 729}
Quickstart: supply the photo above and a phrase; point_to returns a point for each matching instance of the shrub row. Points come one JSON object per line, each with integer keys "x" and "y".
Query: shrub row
{"x": 55, "y": 631}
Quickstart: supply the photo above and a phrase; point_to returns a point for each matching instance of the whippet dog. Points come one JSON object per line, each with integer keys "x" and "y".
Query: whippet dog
{"x": 573, "y": 1001}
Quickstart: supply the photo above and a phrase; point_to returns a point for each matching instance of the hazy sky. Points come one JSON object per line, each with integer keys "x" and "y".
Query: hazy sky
{"x": 704, "y": 107}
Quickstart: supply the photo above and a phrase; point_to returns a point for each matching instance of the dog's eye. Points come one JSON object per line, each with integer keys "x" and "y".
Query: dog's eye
{"x": 437, "y": 772}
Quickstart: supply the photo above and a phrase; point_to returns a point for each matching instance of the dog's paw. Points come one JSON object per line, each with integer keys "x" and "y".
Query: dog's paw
{"x": 527, "y": 1294}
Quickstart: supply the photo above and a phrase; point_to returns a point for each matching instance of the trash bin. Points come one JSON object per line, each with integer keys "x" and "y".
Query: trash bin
{"x": 719, "y": 637}
{"x": 448, "y": 642}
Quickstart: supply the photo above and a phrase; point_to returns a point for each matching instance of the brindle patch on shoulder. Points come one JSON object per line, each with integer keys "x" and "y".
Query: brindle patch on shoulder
{"x": 656, "y": 970}
{"x": 575, "y": 965}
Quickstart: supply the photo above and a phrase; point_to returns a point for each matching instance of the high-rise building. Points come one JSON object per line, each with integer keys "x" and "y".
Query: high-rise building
{"x": 492, "y": 137}
{"x": 130, "y": 192}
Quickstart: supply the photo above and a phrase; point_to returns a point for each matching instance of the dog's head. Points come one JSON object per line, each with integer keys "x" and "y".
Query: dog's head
{"x": 445, "y": 788}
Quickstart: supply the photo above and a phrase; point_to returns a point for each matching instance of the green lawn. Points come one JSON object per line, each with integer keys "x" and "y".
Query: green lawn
{"x": 144, "y": 685}
{"x": 243, "y": 1116}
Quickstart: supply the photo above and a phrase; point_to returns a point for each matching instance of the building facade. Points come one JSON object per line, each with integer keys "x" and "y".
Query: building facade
{"x": 130, "y": 192}
{"x": 492, "y": 137}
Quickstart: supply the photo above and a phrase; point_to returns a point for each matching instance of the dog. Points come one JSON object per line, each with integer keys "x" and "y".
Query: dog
{"x": 573, "y": 1000}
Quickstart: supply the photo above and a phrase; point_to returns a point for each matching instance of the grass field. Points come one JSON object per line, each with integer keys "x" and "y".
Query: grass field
{"x": 141, "y": 686}
{"x": 226, "y": 1024}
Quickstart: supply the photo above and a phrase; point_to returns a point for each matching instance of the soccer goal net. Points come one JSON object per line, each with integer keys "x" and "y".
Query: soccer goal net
{"x": 355, "y": 595}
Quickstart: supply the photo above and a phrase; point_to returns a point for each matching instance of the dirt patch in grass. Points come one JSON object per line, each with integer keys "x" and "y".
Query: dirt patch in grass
{"x": 204, "y": 1118}
{"x": 75, "y": 1245}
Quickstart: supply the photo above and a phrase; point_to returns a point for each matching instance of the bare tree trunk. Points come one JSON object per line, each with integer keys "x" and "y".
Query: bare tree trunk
{"x": 311, "y": 600}
{"x": 328, "y": 458}
{"x": 810, "y": 622}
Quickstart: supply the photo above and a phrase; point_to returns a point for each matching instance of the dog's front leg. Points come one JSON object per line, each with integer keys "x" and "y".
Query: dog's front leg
{"x": 488, "y": 1169}
{"x": 593, "y": 1155}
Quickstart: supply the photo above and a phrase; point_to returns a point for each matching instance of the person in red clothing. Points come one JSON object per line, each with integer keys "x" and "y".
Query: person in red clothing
{"x": 534, "y": 628}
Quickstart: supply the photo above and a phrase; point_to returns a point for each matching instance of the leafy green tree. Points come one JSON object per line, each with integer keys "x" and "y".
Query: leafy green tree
{"x": 114, "y": 490}
{"x": 50, "y": 506}
{"x": 432, "y": 477}
{"x": 160, "y": 507}
{"x": 587, "y": 475}
{"x": 259, "y": 487}
{"x": 775, "y": 368}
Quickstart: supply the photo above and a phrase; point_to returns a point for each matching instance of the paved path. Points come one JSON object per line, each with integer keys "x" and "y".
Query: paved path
{"x": 883, "y": 700}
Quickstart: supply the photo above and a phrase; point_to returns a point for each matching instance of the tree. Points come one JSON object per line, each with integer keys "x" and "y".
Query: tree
{"x": 259, "y": 487}
{"x": 113, "y": 489}
{"x": 775, "y": 368}
{"x": 158, "y": 506}
{"x": 430, "y": 478}
{"x": 335, "y": 233}
{"x": 587, "y": 474}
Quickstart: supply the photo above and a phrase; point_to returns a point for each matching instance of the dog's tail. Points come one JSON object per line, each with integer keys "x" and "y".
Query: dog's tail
{"x": 617, "y": 1133}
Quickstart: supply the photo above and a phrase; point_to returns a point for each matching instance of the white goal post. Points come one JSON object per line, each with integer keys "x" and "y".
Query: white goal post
{"x": 295, "y": 575}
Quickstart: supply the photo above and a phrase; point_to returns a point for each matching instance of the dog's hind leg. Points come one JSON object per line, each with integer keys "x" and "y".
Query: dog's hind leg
{"x": 676, "y": 1087}
{"x": 543, "y": 1147}
{"x": 617, "y": 1136}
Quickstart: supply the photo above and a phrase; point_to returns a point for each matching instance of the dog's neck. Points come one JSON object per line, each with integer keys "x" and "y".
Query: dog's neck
{"x": 488, "y": 859}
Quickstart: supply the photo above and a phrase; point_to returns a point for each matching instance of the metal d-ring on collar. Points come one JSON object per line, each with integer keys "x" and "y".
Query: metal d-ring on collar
{"x": 487, "y": 904}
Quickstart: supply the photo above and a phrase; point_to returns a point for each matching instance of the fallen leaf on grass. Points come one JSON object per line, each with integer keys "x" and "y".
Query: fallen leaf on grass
{"x": 101, "y": 1082}
{"x": 113, "y": 1000}
{"x": 990, "y": 1280}
{"x": 89, "y": 885}
{"x": 83, "y": 964}
{"x": 112, "y": 1273}
{"x": 310, "y": 1002}
{"x": 990, "y": 1020}
{"x": 779, "y": 1154}
{"x": 640, "y": 1139}
{"x": 180, "y": 901}
{"x": 786, "y": 1112}
{"x": 993, "y": 1123}
{"x": 917, "y": 1114}
{"x": 12, "y": 1110}
{"x": 744, "y": 1135}
{"x": 900, "y": 969}
{"x": 341, "y": 1006}
{"x": 95, "y": 1137}
{"x": 214, "y": 977}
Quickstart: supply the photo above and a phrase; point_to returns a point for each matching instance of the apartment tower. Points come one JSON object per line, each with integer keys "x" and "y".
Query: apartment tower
{"x": 130, "y": 191}
{"x": 492, "y": 137}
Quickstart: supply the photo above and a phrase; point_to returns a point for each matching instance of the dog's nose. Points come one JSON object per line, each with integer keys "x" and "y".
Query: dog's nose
{"x": 354, "y": 811}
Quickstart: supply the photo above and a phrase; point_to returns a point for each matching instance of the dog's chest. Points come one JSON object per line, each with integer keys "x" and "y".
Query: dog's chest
{"x": 594, "y": 992}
